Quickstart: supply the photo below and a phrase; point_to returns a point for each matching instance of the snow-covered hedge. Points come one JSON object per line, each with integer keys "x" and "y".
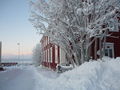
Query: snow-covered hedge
{"x": 93, "y": 75}
{"x": 37, "y": 55}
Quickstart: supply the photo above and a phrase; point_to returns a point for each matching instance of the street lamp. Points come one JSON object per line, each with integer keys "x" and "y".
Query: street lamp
{"x": 18, "y": 50}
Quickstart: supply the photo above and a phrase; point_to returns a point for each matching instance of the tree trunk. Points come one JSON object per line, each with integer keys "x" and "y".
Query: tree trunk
{"x": 95, "y": 49}
{"x": 100, "y": 48}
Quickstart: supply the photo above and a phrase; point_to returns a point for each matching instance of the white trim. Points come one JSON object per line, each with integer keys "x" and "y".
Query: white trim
{"x": 48, "y": 40}
{"x": 56, "y": 54}
{"x": 48, "y": 56}
{"x": 62, "y": 56}
{"x": 44, "y": 56}
{"x": 115, "y": 27}
{"x": 51, "y": 54}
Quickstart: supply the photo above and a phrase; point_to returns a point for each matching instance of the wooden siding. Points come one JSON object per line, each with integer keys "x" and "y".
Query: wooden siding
{"x": 46, "y": 45}
{"x": 113, "y": 38}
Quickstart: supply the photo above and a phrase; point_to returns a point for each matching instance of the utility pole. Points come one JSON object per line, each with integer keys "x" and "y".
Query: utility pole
{"x": 18, "y": 50}
{"x": 1, "y": 67}
{"x": 0, "y": 52}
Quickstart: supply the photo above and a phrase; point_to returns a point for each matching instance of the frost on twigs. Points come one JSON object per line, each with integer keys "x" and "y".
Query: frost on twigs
{"x": 37, "y": 58}
{"x": 72, "y": 23}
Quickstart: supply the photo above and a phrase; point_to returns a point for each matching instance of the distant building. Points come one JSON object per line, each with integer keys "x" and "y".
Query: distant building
{"x": 9, "y": 64}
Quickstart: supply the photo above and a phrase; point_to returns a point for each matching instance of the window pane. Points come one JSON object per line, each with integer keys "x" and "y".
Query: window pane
{"x": 50, "y": 55}
{"x": 110, "y": 53}
{"x": 106, "y": 52}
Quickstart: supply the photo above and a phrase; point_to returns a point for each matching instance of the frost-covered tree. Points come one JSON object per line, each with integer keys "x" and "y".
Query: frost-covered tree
{"x": 37, "y": 55}
{"x": 71, "y": 23}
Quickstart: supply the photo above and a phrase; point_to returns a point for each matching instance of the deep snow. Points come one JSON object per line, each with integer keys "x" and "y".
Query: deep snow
{"x": 93, "y": 75}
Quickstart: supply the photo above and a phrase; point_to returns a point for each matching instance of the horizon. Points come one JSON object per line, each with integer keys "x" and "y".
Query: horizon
{"x": 15, "y": 28}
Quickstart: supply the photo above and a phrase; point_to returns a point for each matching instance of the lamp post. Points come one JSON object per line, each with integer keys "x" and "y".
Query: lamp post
{"x": 1, "y": 67}
{"x": 18, "y": 50}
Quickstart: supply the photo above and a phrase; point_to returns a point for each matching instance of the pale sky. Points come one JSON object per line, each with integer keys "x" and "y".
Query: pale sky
{"x": 15, "y": 28}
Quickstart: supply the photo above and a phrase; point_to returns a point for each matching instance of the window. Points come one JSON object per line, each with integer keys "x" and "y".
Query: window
{"x": 112, "y": 25}
{"x": 45, "y": 41}
{"x": 44, "y": 56}
{"x": 48, "y": 56}
{"x": 109, "y": 50}
{"x": 48, "y": 40}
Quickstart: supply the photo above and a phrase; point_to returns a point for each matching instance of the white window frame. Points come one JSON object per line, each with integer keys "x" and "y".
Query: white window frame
{"x": 42, "y": 55}
{"x": 56, "y": 54}
{"x": 45, "y": 55}
{"x": 48, "y": 40}
{"x": 51, "y": 54}
{"x": 111, "y": 45}
{"x": 48, "y": 56}
{"x": 116, "y": 29}
{"x": 45, "y": 41}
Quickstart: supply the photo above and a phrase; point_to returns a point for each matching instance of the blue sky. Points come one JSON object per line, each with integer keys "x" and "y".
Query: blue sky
{"x": 15, "y": 27}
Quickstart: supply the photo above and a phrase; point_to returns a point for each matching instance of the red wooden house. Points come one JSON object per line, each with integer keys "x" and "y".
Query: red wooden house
{"x": 111, "y": 45}
{"x": 51, "y": 54}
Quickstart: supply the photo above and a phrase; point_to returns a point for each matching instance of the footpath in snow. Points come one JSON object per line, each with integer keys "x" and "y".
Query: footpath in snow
{"x": 93, "y": 75}
{"x": 17, "y": 78}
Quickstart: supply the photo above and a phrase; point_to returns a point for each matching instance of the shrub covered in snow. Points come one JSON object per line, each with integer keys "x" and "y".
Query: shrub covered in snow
{"x": 93, "y": 75}
{"x": 37, "y": 55}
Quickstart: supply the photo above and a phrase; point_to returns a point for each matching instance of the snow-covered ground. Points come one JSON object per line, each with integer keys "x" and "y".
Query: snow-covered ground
{"x": 16, "y": 78}
{"x": 93, "y": 75}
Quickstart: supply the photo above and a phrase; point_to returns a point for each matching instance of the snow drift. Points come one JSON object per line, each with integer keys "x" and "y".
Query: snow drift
{"x": 93, "y": 75}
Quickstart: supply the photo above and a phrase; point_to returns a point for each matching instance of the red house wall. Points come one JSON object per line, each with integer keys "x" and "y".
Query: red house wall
{"x": 49, "y": 45}
{"x": 116, "y": 40}
{"x": 113, "y": 38}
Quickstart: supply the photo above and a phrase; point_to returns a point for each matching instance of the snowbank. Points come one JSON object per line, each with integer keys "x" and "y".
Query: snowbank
{"x": 94, "y": 75}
